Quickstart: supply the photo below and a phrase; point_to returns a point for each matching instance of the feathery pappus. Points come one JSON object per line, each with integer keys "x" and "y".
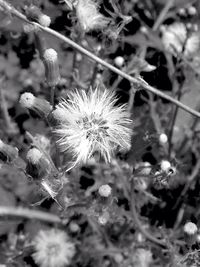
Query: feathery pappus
{"x": 90, "y": 122}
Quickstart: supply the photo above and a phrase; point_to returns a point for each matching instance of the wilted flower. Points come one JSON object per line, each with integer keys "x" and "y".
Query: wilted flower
{"x": 53, "y": 248}
{"x": 90, "y": 122}
{"x": 88, "y": 15}
{"x": 176, "y": 39}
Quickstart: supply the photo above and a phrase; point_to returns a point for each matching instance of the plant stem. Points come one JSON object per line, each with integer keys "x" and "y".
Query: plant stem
{"x": 29, "y": 214}
{"x": 138, "y": 82}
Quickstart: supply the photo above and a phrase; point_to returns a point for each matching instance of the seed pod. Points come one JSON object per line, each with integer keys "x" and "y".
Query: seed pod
{"x": 38, "y": 166}
{"x": 40, "y": 106}
{"x": 34, "y": 13}
{"x": 8, "y": 153}
{"x": 52, "y": 73}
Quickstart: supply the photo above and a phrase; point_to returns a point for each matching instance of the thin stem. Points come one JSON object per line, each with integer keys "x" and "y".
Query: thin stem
{"x": 52, "y": 97}
{"x": 29, "y": 214}
{"x": 162, "y": 14}
{"x": 138, "y": 82}
{"x": 4, "y": 110}
{"x": 138, "y": 222}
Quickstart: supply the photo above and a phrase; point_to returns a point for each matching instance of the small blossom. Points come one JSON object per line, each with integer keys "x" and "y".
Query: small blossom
{"x": 50, "y": 59}
{"x": 53, "y": 249}
{"x": 163, "y": 139}
{"x": 88, "y": 15}
{"x": 90, "y": 122}
{"x": 119, "y": 61}
{"x": 142, "y": 257}
{"x": 190, "y": 233}
{"x": 190, "y": 228}
{"x": 165, "y": 165}
{"x": 176, "y": 40}
{"x": 105, "y": 190}
{"x": 104, "y": 218}
{"x": 40, "y": 106}
{"x": 192, "y": 11}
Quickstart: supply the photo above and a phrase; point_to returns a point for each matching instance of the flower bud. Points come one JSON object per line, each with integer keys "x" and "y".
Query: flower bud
{"x": 105, "y": 190}
{"x": 119, "y": 61}
{"x": 190, "y": 231}
{"x": 40, "y": 106}
{"x": 165, "y": 165}
{"x": 103, "y": 218}
{"x": 50, "y": 59}
{"x": 7, "y": 153}
{"x": 37, "y": 165}
{"x": 163, "y": 139}
{"x": 34, "y": 13}
{"x": 74, "y": 227}
{"x": 191, "y": 10}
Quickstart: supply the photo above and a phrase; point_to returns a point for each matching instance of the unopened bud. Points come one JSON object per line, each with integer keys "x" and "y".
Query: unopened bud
{"x": 35, "y": 14}
{"x": 105, "y": 190}
{"x": 191, "y": 10}
{"x": 104, "y": 218}
{"x": 8, "y": 153}
{"x": 163, "y": 139}
{"x": 50, "y": 59}
{"x": 40, "y": 106}
{"x": 37, "y": 164}
{"x": 74, "y": 227}
{"x": 165, "y": 165}
{"x": 119, "y": 61}
{"x": 190, "y": 231}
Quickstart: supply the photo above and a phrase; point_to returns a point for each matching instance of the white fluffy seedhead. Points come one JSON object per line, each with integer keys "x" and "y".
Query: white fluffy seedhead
{"x": 190, "y": 228}
{"x": 88, "y": 15}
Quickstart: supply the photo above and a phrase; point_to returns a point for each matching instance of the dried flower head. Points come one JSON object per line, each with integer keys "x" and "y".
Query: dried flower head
{"x": 177, "y": 40}
{"x": 40, "y": 106}
{"x": 52, "y": 72}
{"x": 89, "y": 122}
{"x": 53, "y": 248}
{"x": 88, "y": 15}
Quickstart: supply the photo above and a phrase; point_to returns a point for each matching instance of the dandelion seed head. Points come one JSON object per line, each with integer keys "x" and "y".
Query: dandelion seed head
{"x": 27, "y": 100}
{"x": 165, "y": 165}
{"x": 53, "y": 248}
{"x": 88, "y": 15}
{"x": 105, "y": 190}
{"x": 90, "y": 123}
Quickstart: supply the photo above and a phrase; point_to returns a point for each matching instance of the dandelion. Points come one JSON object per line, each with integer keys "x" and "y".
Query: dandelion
{"x": 53, "y": 248}
{"x": 190, "y": 233}
{"x": 90, "y": 122}
{"x": 88, "y": 15}
{"x": 176, "y": 40}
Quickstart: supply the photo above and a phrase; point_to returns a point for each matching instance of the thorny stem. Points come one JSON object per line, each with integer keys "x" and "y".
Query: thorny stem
{"x": 138, "y": 82}
{"x": 29, "y": 214}
{"x": 138, "y": 222}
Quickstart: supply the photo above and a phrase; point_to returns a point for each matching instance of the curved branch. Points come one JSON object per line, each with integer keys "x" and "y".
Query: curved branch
{"x": 138, "y": 82}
